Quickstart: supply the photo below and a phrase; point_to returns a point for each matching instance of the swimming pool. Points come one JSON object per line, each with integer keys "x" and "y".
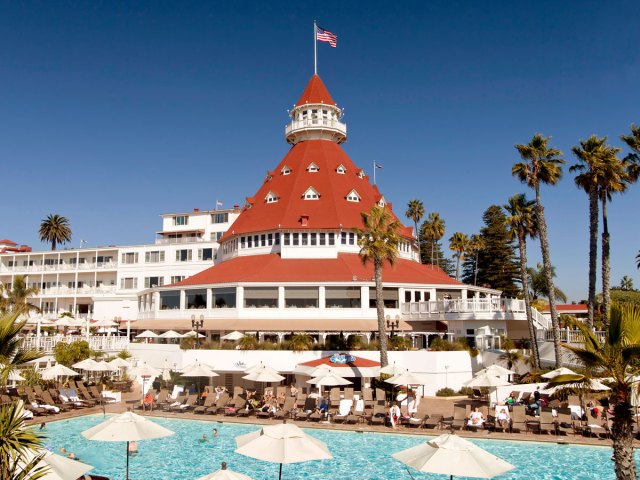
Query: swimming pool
{"x": 356, "y": 455}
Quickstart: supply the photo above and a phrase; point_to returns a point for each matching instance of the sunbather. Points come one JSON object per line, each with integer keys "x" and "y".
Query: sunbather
{"x": 394, "y": 414}
{"x": 476, "y": 419}
{"x": 147, "y": 401}
{"x": 502, "y": 416}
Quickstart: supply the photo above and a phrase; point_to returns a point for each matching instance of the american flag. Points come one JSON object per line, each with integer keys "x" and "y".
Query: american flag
{"x": 326, "y": 36}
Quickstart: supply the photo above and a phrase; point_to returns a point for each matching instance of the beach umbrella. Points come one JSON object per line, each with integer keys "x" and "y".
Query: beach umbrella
{"x": 104, "y": 323}
{"x": 260, "y": 366}
{"x": 145, "y": 370}
{"x": 407, "y": 378}
{"x": 392, "y": 369}
{"x": 192, "y": 334}
{"x": 102, "y": 366}
{"x": 329, "y": 379}
{"x": 495, "y": 370}
{"x": 147, "y": 334}
{"x": 69, "y": 322}
{"x": 85, "y": 364}
{"x": 264, "y": 374}
{"x": 451, "y": 455}
{"x": 57, "y": 466}
{"x": 194, "y": 364}
{"x": 558, "y": 371}
{"x": 199, "y": 370}
{"x": 283, "y": 443}
{"x": 170, "y": 334}
{"x": 58, "y": 370}
{"x": 119, "y": 363}
{"x": 225, "y": 474}
{"x": 126, "y": 427}
{"x": 14, "y": 376}
{"x": 487, "y": 380}
{"x": 235, "y": 335}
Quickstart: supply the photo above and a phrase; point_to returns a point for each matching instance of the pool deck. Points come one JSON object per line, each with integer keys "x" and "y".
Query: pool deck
{"x": 359, "y": 427}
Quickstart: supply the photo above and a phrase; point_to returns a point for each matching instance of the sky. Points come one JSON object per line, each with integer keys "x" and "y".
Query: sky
{"x": 115, "y": 112}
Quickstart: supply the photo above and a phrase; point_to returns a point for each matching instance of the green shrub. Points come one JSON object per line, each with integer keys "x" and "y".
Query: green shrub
{"x": 124, "y": 355}
{"x": 248, "y": 342}
{"x": 399, "y": 343}
{"x": 465, "y": 391}
{"x": 445, "y": 392}
{"x": 187, "y": 343}
{"x": 69, "y": 353}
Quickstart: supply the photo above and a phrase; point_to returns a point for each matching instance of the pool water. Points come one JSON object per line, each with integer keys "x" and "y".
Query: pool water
{"x": 356, "y": 455}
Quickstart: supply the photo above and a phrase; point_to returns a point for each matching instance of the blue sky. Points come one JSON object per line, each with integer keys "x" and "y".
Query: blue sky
{"x": 115, "y": 112}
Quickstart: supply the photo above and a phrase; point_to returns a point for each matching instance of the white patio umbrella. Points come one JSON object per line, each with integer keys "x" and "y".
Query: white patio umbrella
{"x": 264, "y": 374}
{"x": 102, "y": 366}
{"x": 147, "y": 334}
{"x": 329, "y": 379}
{"x": 14, "y": 376}
{"x": 199, "y": 370}
{"x": 58, "y": 467}
{"x": 392, "y": 369}
{"x": 126, "y": 427}
{"x": 58, "y": 370}
{"x": 225, "y": 474}
{"x": 104, "y": 323}
{"x": 407, "y": 378}
{"x": 85, "y": 364}
{"x": 119, "y": 363}
{"x": 192, "y": 334}
{"x": 235, "y": 335}
{"x": 283, "y": 443}
{"x": 170, "y": 334}
{"x": 194, "y": 364}
{"x": 259, "y": 366}
{"x": 558, "y": 371}
{"x": 451, "y": 455}
{"x": 496, "y": 370}
{"x": 486, "y": 380}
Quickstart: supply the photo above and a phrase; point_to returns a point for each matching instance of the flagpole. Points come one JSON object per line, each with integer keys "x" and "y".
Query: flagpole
{"x": 374, "y": 172}
{"x": 315, "y": 48}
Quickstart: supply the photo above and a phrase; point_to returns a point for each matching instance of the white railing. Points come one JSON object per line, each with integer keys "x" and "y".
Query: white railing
{"x": 573, "y": 336}
{"x": 315, "y": 123}
{"x": 171, "y": 241}
{"x": 66, "y": 267}
{"x": 98, "y": 343}
{"x": 78, "y": 291}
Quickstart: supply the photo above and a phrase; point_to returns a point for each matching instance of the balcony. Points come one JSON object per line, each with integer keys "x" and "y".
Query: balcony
{"x": 106, "y": 289}
{"x": 63, "y": 267}
{"x": 329, "y": 129}
{"x": 173, "y": 241}
{"x": 98, "y": 343}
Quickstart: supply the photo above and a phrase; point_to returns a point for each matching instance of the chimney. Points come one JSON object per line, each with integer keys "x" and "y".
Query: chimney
{"x": 196, "y": 210}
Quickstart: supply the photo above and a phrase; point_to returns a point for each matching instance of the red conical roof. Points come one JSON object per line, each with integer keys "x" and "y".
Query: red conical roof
{"x": 315, "y": 92}
{"x": 331, "y": 211}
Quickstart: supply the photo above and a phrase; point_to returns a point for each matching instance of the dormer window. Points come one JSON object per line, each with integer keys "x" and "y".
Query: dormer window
{"x": 361, "y": 174}
{"x": 271, "y": 197}
{"x": 312, "y": 167}
{"x": 382, "y": 202}
{"x": 353, "y": 196}
{"x": 311, "y": 194}
{"x": 285, "y": 170}
{"x": 341, "y": 170}
{"x": 268, "y": 177}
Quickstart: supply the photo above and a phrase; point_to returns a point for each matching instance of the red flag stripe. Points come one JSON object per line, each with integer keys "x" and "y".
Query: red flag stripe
{"x": 326, "y": 36}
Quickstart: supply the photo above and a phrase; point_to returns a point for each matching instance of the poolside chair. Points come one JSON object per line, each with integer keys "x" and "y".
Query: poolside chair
{"x": 235, "y": 407}
{"x": 379, "y": 415}
{"x": 47, "y": 398}
{"x": 547, "y": 421}
{"x": 343, "y": 412}
{"x": 280, "y": 389}
{"x": 419, "y": 417}
{"x": 220, "y": 405}
{"x": 357, "y": 415}
{"x": 208, "y": 402}
{"x": 367, "y": 396}
{"x": 180, "y": 399}
{"x": 287, "y": 408}
{"x": 381, "y": 396}
{"x": 519, "y": 418}
{"x": 564, "y": 423}
{"x": 460, "y": 416}
{"x": 524, "y": 400}
{"x": 64, "y": 397}
{"x": 334, "y": 398}
{"x": 348, "y": 393}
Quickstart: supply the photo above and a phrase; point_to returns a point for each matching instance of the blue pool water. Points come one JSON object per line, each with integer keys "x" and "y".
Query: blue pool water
{"x": 356, "y": 455}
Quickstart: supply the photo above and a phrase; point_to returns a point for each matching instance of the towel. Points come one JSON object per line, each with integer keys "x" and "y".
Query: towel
{"x": 345, "y": 407}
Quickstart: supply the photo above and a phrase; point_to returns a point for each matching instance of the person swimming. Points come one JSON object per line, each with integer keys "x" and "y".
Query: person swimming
{"x": 204, "y": 438}
{"x": 215, "y": 432}
{"x": 133, "y": 447}
{"x": 43, "y": 425}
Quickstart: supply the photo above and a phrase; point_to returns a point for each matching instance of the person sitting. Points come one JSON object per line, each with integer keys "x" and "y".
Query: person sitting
{"x": 511, "y": 400}
{"x": 537, "y": 403}
{"x": 205, "y": 394}
{"x": 147, "y": 401}
{"x": 476, "y": 419}
{"x": 323, "y": 405}
{"x": 502, "y": 416}
{"x": 394, "y": 414}
{"x": 282, "y": 398}
{"x": 219, "y": 390}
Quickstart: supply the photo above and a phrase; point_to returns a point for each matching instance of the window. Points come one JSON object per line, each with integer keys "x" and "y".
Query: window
{"x": 296, "y": 239}
{"x": 287, "y": 237}
{"x": 342, "y": 297}
{"x": 343, "y": 238}
{"x": 313, "y": 237}
{"x": 301, "y": 297}
{"x": 312, "y": 168}
{"x": 332, "y": 239}
{"x": 352, "y": 238}
{"x": 154, "y": 257}
{"x": 389, "y": 296}
{"x": 271, "y": 197}
{"x": 181, "y": 220}
{"x": 277, "y": 238}
{"x": 219, "y": 236}
{"x": 128, "y": 283}
{"x": 150, "y": 282}
{"x": 243, "y": 242}
{"x": 183, "y": 255}
{"x": 304, "y": 239}
{"x": 361, "y": 174}
{"x": 270, "y": 239}
{"x": 224, "y": 297}
{"x": 196, "y": 299}
{"x": 100, "y": 259}
{"x": 47, "y": 261}
{"x": 341, "y": 170}
{"x": 205, "y": 254}
{"x": 285, "y": 170}
{"x": 353, "y": 196}
{"x": 177, "y": 278}
{"x": 263, "y": 240}
{"x": 311, "y": 194}
{"x": 170, "y": 300}
{"x": 130, "y": 257}
{"x": 382, "y": 202}
{"x": 323, "y": 238}
{"x": 219, "y": 217}
{"x": 256, "y": 297}
{"x": 249, "y": 241}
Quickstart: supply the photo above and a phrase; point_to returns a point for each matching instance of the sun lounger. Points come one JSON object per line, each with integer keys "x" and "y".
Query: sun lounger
{"x": 381, "y": 396}
{"x": 286, "y": 410}
{"x": 519, "y": 418}
{"x": 235, "y": 407}
{"x": 334, "y": 398}
{"x": 209, "y": 402}
{"x": 420, "y": 416}
{"x": 344, "y": 410}
{"x": 69, "y": 397}
{"x": 367, "y": 396}
{"x": 379, "y": 415}
{"x": 460, "y": 416}
{"x": 47, "y": 398}
{"x": 348, "y": 393}
{"x": 547, "y": 421}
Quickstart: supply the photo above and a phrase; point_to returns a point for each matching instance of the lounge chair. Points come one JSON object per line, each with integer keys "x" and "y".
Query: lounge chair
{"x": 564, "y": 422}
{"x": 334, "y": 398}
{"x": 358, "y": 413}
{"x": 459, "y": 417}
{"x": 348, "y": 393}
{"x": 547, "y": 421}
{"x": 286, "y": 409}
{"x": 47, "y": 398}
{"x": 235, "y": 407}
{"x": 367, "y": 396}
{"x": 519, "y": 418}
{"x": 420, "y": 415}
{"x": 344, "y": 410}
{"x": 69, "y": 397}
{"x": 379, "y": 415}
{"x": 381, "y": 396}
{"x": 209, "y": 402}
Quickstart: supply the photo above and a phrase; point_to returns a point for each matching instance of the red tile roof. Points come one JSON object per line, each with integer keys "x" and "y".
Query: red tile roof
{"x": 7, "y": 242}
{"x": 358, "y": 362}
{"x": 315, "y": 92}
{"x": 564, "y": 307}
{"x": 331, "y": 211}
{"x": 344, "y": 268}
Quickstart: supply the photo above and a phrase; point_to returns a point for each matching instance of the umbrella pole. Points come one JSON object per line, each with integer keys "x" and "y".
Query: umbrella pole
{"x": 280, "y": 476}
{"x": 127, "y": 476}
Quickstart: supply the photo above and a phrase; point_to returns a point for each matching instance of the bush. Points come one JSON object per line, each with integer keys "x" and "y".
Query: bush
{"x": 355, "y": 342}
{"x": 124, "y": 355}
{"x": 445, "y": 392}
{"x": 442, "y": 345}
{"x": 69, "y": 353}
{"x": 399, "y": 343}
{"x": 465, "y": 391}
{"x": 187, "y": 343}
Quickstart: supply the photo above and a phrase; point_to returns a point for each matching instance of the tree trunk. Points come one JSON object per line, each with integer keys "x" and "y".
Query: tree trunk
{"x": 527, "y": 301}
{"x": 419, "y": 244}
{"x": 475, "y": 270}
{"x": 53, "y": 244}
{"x": 458, "y": 266}
{"x": 606, "y": 269}
{"x": 432, "y": 245}
{"x": 622, "y": 436}
{"x": 593, "y": 251}
{"x": 546, "y": 262}
{"x": 382, "y": 333}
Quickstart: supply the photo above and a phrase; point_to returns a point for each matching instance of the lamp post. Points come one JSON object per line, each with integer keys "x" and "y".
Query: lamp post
{"x": 197, "y": 325}
{"x": 393, "y": 325}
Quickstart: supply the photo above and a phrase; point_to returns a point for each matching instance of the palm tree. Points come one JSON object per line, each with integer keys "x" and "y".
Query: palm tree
{"x": 614, "y": 179}
{"x": 16, "y": 299}
{"x": 415, "y": 212}
{"x": 459, "y": 244}
{"x": 511, "y": 357}
{"x": 521, "y": 222}
{"x": 626, "y": 283}
{"x": 542, "y": 164}
{"x": 300, "y": 342}
{"x": 11, "y": 355}
{"x": 55, "y": 229}
{"x": 638, "y": 260}
{"x": 539, "y": 286}
{"x": 433, "y": 231}
{"x": 615, "y": 359}
{"x": 475, "y": 246}
{"x": 19, "y": 446}
{"x": 590, "y": 153}
{"x": 378, "y": 241}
